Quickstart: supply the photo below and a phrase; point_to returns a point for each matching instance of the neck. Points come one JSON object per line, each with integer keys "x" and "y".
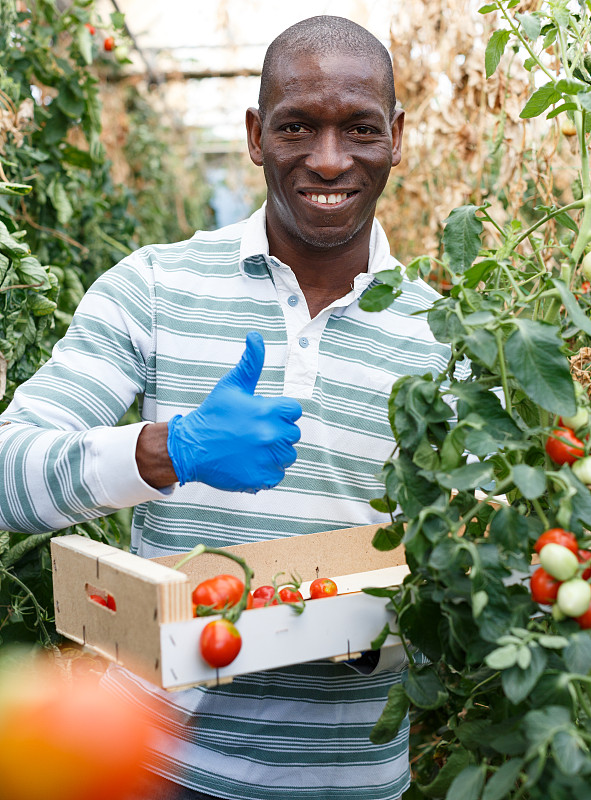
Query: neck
{"x": 323, "y": 273}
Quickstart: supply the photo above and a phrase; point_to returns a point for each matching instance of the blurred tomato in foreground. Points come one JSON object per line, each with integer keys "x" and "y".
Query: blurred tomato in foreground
{"x": 67, "y": 738}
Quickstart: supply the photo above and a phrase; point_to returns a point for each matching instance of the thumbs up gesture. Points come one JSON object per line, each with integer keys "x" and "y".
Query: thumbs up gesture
{"x": 236, "y": 440}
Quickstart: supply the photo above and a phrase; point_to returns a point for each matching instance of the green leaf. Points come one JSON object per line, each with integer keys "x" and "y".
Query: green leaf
{"x": 503, "y": 781}
{"x": 585, "y": 100}
{"x": 390, "y": 277}
{"x": 553, "y": 642}
{"x": 381, "y": 637}
{"x": 388, "y": 538}
{"x": 577, "y": 655}
{"x": 533, "y": 355}
{"x": 470, "y": 476}
{"x": 70, "y": 103}
{"x": 457, "y": 761}
{"x": 11, "y": 556}
{"x": 377, "y": 298}
{"x": 541, "y": 725}
{"x": 531, "y": 24}
{"x": 30, "y": 271}
{"x": 15, "y": 189}
{"x": 77, "y": 157}
{"x": 540, "y": 100}
{"x": 483, "y": 346}
{"x": 84, "y": 41}
{"x": 392, "y": 717}
{"x": 569, "y": 751}
{"x": 487, "y": 8}
{"x": 424, "y": 687}
{"x": 9, "y": 245}
{"x": 576, "y": 315}
{"x": 479, "y": 272}
{"x": 518, "y": 683}
{"x": 479, "y": 602}
{"x": 118, "y": 19}
{"x": 531, "y": 481}
{"x": 503, "y": 657}
{"x": 461, "y": 237}
{"x": 60, "y": 201}
{"x": 418, "y": 266}
{"x": 571, "y": 86}
{"x": 468, "y": 784}
{"x": 494, "y": 50}
{"x": 41, "y": 305}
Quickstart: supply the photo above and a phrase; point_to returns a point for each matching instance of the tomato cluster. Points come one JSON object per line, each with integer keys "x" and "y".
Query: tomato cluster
{"x": 562, "y": 581}
{"x": 220, "y": 640}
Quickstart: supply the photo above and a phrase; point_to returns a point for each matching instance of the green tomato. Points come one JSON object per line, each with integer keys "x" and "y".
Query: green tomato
{"x": 578, "y": 420}
{"x": 574, "y": 597}
{"x": 586, "y": 266}
{"x": 558, "y": 561}
{"x": 582, "y": 469}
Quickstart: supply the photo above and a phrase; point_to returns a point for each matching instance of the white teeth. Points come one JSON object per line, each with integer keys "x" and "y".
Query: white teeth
{"x": 331, "y": 199}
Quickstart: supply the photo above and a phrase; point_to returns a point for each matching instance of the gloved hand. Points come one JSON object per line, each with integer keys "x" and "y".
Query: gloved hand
{"x": 235, "y": 440}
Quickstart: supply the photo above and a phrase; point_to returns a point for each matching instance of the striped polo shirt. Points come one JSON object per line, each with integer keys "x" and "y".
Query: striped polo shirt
{"x": 166, "y": 323}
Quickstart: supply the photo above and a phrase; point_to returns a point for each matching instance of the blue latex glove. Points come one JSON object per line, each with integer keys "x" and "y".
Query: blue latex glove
{"x": 235, "y": 440}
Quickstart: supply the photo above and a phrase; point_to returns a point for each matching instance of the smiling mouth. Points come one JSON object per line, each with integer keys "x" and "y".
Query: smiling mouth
{"x": 332, "y": 199}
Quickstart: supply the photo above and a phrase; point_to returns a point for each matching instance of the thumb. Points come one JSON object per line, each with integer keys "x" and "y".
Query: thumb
{"x": 247, "y": 372}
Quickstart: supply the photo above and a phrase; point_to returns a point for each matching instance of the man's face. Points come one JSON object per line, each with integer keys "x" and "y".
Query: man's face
{"x": 327, "y": 145}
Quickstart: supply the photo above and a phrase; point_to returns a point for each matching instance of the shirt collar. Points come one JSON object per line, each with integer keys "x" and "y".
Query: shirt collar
{"x": 255, "y": 243}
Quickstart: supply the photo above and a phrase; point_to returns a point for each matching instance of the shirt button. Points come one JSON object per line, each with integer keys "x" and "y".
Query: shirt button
{"x": 293, "y": 300}
{"x": 304, "y": 342}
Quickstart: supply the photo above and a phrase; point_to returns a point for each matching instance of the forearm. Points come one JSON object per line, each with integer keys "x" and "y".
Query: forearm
{"x": 52, "y": 479}
{"x": 151, "y": 455}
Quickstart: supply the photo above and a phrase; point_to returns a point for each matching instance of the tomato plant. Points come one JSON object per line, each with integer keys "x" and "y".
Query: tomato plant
{"x": 323, "y": 587}
{"x": 479, "y": 469}
{"x": 564, "y": 447}
{"x": 220, "y": 642}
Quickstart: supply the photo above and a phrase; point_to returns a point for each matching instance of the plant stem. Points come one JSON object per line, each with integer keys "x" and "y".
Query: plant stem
{"x": 11, "y": 576}
{"x": 503, "y": 371}
{"x": 576, "y": 204}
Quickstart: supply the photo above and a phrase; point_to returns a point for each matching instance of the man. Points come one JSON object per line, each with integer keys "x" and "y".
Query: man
{"x": 168, "y": 322}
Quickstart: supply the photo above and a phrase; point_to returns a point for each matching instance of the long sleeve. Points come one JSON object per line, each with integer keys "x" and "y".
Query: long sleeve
{"x": 62, "y": 460}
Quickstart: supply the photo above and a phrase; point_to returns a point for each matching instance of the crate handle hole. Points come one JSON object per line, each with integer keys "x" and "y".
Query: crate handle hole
{"x": 100, "y": 597}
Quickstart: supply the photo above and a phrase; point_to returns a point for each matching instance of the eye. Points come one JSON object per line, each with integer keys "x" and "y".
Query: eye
{"x": 294, "y": 127}
{"x": 364, "y": 130}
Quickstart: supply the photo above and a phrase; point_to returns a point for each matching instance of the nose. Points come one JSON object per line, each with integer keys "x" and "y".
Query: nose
{"x": 328, "y": 156}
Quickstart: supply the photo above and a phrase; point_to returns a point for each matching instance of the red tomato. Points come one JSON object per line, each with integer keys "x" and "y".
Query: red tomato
{"x": 563, "y": 447}
{"x": 585, "y": 555}
{"x": 557, "y": 536}
{"x": 109, "y": 43}
{"x": 97, "y": 598}
{"x": 585, "y": 619}
{"x": 263, "y": 596}
{"x": 323, "y": 587}
{"x": 288, "y": 595}
{"x": 86, "y": 742}
{"x": 220, "y": 642}
{"x": 543, "y": 587}
{"x": 111, "y": 602}
{"x": 219, "y": 592}
{"x": 585, "y": 287}
{"x": 91, "y": 28}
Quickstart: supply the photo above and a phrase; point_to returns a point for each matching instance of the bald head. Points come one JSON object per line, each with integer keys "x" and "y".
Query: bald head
{"x": 322, "y": 35}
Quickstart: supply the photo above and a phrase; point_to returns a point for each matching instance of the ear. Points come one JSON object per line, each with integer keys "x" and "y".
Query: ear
{"x": 397, "y": 128}
{"x": 254, "y": 130}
